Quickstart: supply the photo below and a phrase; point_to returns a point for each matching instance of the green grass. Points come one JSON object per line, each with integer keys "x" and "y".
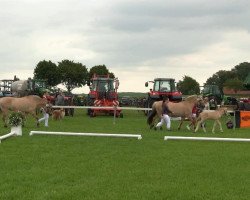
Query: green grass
{"x": 74, "y": 167}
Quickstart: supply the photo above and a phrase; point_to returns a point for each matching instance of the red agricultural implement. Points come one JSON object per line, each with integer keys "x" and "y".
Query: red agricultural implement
{"x": 162, "y": 87}
{"x": 103, "y": 95}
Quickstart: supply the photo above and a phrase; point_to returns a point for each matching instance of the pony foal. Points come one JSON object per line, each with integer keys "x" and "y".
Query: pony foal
{"x": 212, "y": 115}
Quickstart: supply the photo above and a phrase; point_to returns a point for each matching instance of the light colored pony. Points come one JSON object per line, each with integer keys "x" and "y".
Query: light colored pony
{"x": 26, "y": 105}
{"x": 181, "y": 109}
{"x": 211, "y": 115}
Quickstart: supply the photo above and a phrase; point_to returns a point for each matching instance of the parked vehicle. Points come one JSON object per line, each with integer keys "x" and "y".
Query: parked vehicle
{"x": 22, "y": 88}
{"x": 216, "y": 97}
{"x": 162, "y": 87}
{"x": 5, "y": 87}
{"x": 103, "y": 93}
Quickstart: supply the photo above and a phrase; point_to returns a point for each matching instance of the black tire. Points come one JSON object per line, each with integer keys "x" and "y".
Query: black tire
{"x": 90, "y": 102}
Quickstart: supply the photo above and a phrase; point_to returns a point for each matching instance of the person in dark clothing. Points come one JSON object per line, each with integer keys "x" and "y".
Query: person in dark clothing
{"x": 165, "y": 117}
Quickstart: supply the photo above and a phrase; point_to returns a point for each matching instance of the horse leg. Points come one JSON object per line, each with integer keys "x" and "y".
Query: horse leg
{"x": 179, "y": 127}
{"x": 203, "y": 126}
{"x": 4, "y": 120}
{"x": 152, "y": 125}
{"x": 36, "y": 117}
{"x": 5, "y": 114}
{"x": 221, "y": 130}
{"x": 193, "y": 123}
{"x": 214, "y": 126}
{"x": 197, "y": 126}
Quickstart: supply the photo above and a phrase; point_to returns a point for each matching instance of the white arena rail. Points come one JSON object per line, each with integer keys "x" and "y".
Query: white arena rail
{"x": 207, "y": 139}
{"x": 6, "y": 136}
{"x": 103, "y": 107}
{"x": 139, "y": 137}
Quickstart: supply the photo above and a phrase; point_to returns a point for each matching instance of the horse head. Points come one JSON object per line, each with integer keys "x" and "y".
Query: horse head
{"x": 224, "y": 111}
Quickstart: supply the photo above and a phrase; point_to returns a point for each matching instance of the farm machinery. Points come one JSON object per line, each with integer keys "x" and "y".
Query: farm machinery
{"x": 216, "y": 96}
{"x": 5, "y": 87}
{"x": 22, "y": 88}
{"x": 103, "y": 94}
{"x": 162, "y": 87}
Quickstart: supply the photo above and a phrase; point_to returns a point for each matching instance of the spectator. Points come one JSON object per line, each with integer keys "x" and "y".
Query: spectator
{"x": 59, "y": 99}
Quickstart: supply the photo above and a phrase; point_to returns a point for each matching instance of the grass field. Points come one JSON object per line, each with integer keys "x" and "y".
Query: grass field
{"x": 73, "y": 167}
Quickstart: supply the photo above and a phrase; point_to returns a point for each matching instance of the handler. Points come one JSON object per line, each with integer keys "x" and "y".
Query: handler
{"x": 165, "y": 117}
{"x": 45, "y": 111}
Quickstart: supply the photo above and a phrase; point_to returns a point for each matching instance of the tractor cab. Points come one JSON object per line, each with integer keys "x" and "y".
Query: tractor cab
{"x": 162, "y": 87}
{"x": 103, "y": 87}
{"x": 103, "y": 93}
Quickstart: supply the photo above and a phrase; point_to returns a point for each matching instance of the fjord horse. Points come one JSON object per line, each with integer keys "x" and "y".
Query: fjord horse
{"x": 211, "y": 115}
{"x": 26, "y": 105}
{"x": 181, "y": 109}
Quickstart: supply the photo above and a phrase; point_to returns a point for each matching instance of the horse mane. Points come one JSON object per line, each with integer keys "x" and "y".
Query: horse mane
{"x": 191, "y": 98}
{"x": 35, "y": 97}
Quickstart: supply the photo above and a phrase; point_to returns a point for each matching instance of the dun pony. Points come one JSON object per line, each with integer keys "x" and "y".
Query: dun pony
{"x": 26, "y": 105}
{"x": 211, "y": 115}
{"x": 181, "y": 109}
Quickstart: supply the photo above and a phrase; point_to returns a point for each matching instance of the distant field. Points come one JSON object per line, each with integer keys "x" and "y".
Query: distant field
{"x": 132, "y": 94}
{"x": 73, "y": 167}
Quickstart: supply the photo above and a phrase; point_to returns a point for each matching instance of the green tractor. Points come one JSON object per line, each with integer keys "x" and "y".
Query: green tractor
{"x": 29, "y": 87}
{"x": 216, "y": 97}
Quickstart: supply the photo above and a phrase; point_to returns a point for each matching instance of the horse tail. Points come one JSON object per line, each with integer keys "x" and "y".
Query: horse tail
{"x": 1, "y": 105}
{"x": 151, "y": 116}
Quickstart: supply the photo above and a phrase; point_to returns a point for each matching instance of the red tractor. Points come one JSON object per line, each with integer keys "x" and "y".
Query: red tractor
{"x": 162, "y": 87}
{"x": 103, "y": 93}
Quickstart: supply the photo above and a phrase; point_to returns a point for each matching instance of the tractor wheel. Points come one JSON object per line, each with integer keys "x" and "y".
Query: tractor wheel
{"x": 90, "y": 102}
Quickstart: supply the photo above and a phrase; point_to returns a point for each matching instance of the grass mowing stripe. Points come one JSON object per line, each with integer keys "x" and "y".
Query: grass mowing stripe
{"x": 57, "y": 167}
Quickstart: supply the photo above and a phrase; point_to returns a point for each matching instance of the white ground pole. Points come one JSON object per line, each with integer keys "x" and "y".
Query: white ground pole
{"x": 207, "y": 139}
{"x": 139, "y": 137}
{"x": 7, "y": 135}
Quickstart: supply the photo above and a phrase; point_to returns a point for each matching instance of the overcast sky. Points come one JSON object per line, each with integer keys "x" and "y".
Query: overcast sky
{"x": 138, "y": 40}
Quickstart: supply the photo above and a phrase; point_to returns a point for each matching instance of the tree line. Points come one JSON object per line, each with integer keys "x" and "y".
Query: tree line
{"x": 238, "y": 78}
{"x": 73, "y": 74}
{"x": 69, "y": 73}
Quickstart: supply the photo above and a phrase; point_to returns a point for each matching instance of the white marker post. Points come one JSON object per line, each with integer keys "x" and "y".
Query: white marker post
{"x": 207, "y": 139}
{"x": 139, "y": 137}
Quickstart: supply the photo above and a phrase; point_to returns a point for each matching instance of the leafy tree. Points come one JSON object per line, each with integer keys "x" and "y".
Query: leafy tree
{"x": 234, "y": 84}
{"x": 48, "y": 71}
{"x": 189, "y": 86}
{"x": 242, "y": 70}
{"x": 247, "y": 82}
{"x": 73, "y": 74}
{"x": 100, "y": 70}
{"x": 220, "y": 77}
